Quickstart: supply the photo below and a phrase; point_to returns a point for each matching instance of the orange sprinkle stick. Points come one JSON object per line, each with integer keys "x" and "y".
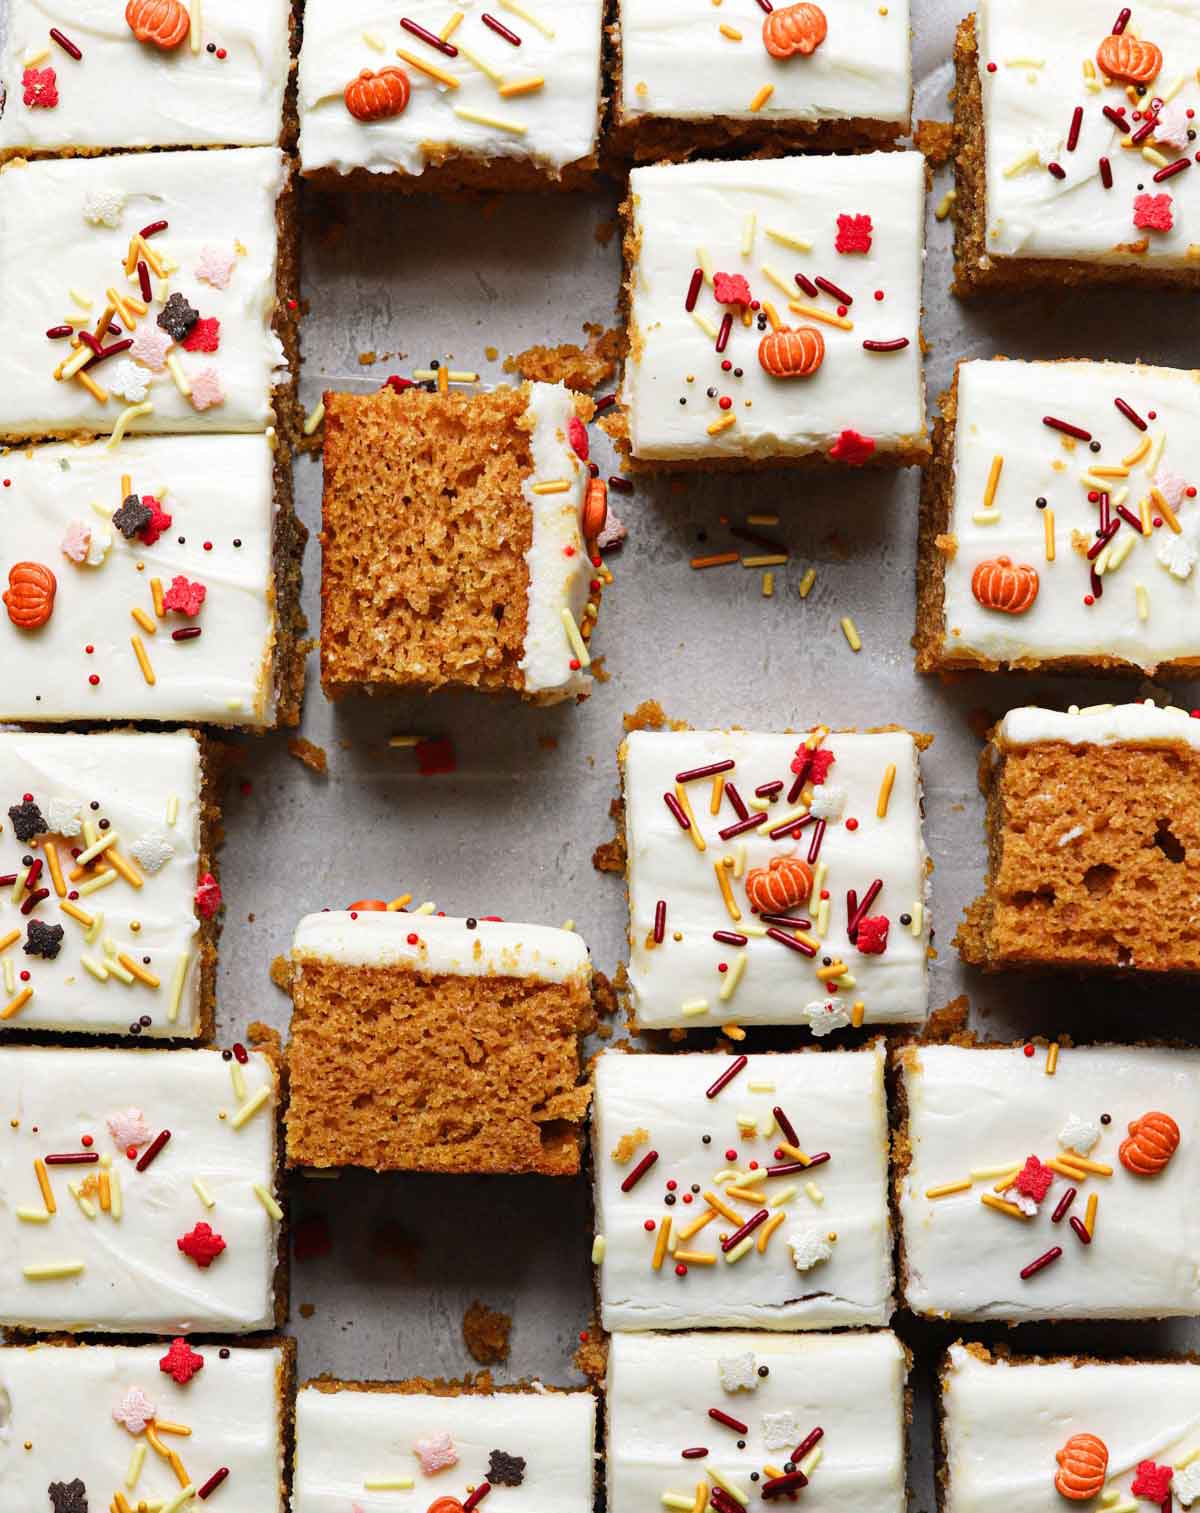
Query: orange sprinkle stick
{"x": 718, "y": 559}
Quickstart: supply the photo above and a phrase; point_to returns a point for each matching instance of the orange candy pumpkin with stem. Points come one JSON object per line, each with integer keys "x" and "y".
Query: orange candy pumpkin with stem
{"x": 1082, "y": 1467}
{"x": 782, "y": 885}
{"x": 794, "y": 29}
{"x": 368, "y": 906}
{"x": 1129, "y": 59}
{"x": 796, "y": 353}
{"x": 445, "y": 1505}
{"x": 29, "y": 597}
{"x": 377, "y": 96}
{"x": 162, "y": 23}
{"x": 997, "y": 584}
{"x": 1153, "y": 1140}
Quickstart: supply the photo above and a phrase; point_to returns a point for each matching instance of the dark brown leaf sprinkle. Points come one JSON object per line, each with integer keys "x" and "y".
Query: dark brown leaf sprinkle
{"x": 505, "y": 1470}
{"x": 43, "y": 940}
{"x": 27, "y": 820}
{"x": 132, "y": 517}
{"x": 68, "y": 1496}
{"x": 177, "y": 317}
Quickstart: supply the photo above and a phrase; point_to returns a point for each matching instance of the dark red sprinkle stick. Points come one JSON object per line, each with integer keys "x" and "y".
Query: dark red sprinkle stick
{"x": 8, "y": 879}
{"x": 729, "y": 1421}
{"x": 693, "y": 293}
{"x": 73, "y": 1158}
{"x": 1066, "y": 428}
{"x": 660, "y": 921}
{"x": 1122, "y": 21}
{"x": 723, "y": 333}
{"x": 791, "y": 827}
{"x": 786, "y": 1125}
{"x": 791, "y": 942}
{"x": 65, "y": 43}
{"x": 1172, "y": 169}
{"x": 698, "y": 1453}
{"x": 476, "y": 1497}
{"x": 240, "y": 1054}
{"x": 1056, "y": 170}
{"x": 1102, "y": 540}
{"x": 780, "y": 1486}
{"x": 88, "y": 340}
{"x": 769, "y": 790}
{"x": 864, "y": 904}
{"x": 814, "y": 849}
{"x": 153, "y": 228}
{"x": 447, "y": 48}
{"x": 622, "y": 485}
{"x": 55, "y": 333}
{"x": 605, "y": 402}
{"x": 35, "y": 871}
{"x": 787, "y": 1168}
{"x": 1145, "y": 130}
{"x": 676, "y": 809}
{"x": 765, "y": 5}
{"x": 1080, "y": 1229}
{"x": 1126, "y": 515}
{"x": 500, "y": 29}
{"x": 107, "y": 352}
{"x": 1075, "y": 128}
{"x": 1105, "y": 511}
{"x": 727, "y": 1076}
{"x": 786, "y": 921}
{"x": 34, "y": 900}
{"x": 186, "y": 633}
{"x": 1106, "y": 177}
{"x": 720, "y": 1501}
{"x": 213, "y": 1482}
{"x": 143, "y": 273}
{"x": 806, "y": 1444}
{"x": 739, "y": 827}
{"x": 831, "y": 288}
{"x": 801, "y": 777}
{"x": 1063, "y": 1204}
{"x": 1130, "y": 414}
{"x": 897, "y": 344}
{"x": 1097, "y": 585}
{"x": 738, "y": 804}
{"x": 693, "y": 774}
{"x": 639, "y": 1171}
{"x": 1047, "y": 1259}
{"x": 727, "y": 937}
{"x": 1117, "y": 117}
{"x": 748, "y": 1228}
{"x": 153, "y": 1149}
{"x": 807, "y": 285}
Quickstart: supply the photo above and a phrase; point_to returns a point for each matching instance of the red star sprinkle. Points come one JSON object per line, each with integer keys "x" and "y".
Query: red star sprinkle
{"x": 181, "y": 1362}
{"x": 202, "y": 1245}
{"x": 208, "y": 896}
{"x": 41, "y": 88}
{"x": 853, "y": 233}
{"x": 205, "y": 336}
{"x": 731, "y": 289}
{"x": 1152, "y": 1482}
{"x": 1152, "y": 212}
{"x": 872, "y": 935}
{"x": 158, "y": 522}
{"x": 852, "y": 448}
{"x": 578, "y": 437}
{"x": 184, "y": 597}
{"x": 1034, "y": 1179}
{"x": 818, "y": 769}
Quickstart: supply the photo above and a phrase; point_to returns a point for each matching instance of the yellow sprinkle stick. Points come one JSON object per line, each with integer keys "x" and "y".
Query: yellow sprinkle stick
{"x": 762, "y": 96}
{"x": 268, "y": 1202}
{"x": 147, "y": 978}
{"x": 850, "y": 631}
{"x": 785, "y": 239}
{"x": 178, "y": 978}
{"x": 520, "y": 87}
{"x": 15, "y": 1005}
{"x": 1089, "y": 1217}
{"x": 1165, "y": 510}
{"x": 947, "y": 1188}
{"x": 428, "y": 68}
{"x": 481, "y": 118}
{"x": 52, "y": 1271}
{"x": 685, "y": 804}
{"x": 696, "y": 1257}
{"x": 806, "y": 583}
{"x": 32, "y": 1215}
{"x": 124, "y": 420}
{"x": 737, "y": 969}
{"x": 993, "y": 482}
{"x": 43, "y": 1182}
{"x": 885, "y": 791}
{"x": 1052, "y": 1059}
{"x": 313, "y": 420}
{"x": 203, "y": 1193}
{"x": 527, "y": 15}
{"x": 248, "y": 1110}
{"x": 722, "y": 875}
{"x": 578, "y": 645}
{"x": 143, "y": 660}
{"x": 1048, "y": 525}
{"x": 1084, "y": 1163}
{"x": 661, "y": 1242}
{"x": 728, "y": 1486}
{"x": 481, "y": 64}
{"x": 813, "y": 312}
{"x": 991, "y": 1201}
{"x": 768, "y": 1230}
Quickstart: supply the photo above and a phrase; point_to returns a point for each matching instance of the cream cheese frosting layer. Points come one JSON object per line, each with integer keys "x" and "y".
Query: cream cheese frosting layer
{"x": 1047, "y": 496}
{"x": 554, "y": 123}
{"x": 147, "y": 791}
{"x": 1106, "y": 725}
{"x": 681, "y": 981}
{"x": 1005, "y": 1424}
{"x": 124, "y": 93}
{"x": 66, "y": 227}
{"x": 351, "y": 1444}
{"x": 231, "y": 1407}
{"x": 557, "y": 581}
{"x": 769, "y": 221}
{"x": 835, "y": 1103}
{"x": 678, "y": 62}
{"x": 661, "y": 1388}
{"x": 86, "y": 1268}
{"x": 493, "y": 948}
{"x": 1031, "y": 58}
{"x": 219, "y": 493}
{"x": 983, "y": 1110}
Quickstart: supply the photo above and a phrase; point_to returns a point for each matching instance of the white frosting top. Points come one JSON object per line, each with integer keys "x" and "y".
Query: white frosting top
{"x": 661, "y": 1387}
{"x": 690, "y": 215}
{"x": 233, "y": 1408}
{"x": 556, "y": 124}
{"x": 677, "y": 62}
{"x": 556, "y": 581}
{"x": 985, "y": 1109}
{"x": 123, "y": 93}
{"x": 214, "y": 203}
{"x": 1006, "y": 1423}
{"x": 1000, "y": 410}
{"x": 1028, "y": 103}
{"x": 346, "y": 1440}
{"x": 492, "y": 949}
{"x": 134, "y": 1277}
{"x": 1103, "y": 725}
{"x": 777, "y": 985}
{"x": 835, "y": 1101}
{"x": 217, "y": 490}
{"x": 147, "y": 787}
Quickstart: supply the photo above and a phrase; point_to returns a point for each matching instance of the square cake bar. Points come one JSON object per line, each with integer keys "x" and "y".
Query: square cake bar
{"x": 1058, "y": 520}
{"x": 157, "y": 581}
{"x": 775, "y": 879}
{"x": 1047, "y": 1433}
{"x": 366, "y": 1443}
{"x": 145, "y": 1426}
{"x": 422, "y": 1043}
{"x": 1052, "y": 1186}
{"x": 774, "y": 308}
{"x": 729, "y": 1413}
{"x": 698, "y": 1162}
{"x": 1093, "y": 825}
{"x": 137, "y": 1191}
{"x": 124, "y": 942}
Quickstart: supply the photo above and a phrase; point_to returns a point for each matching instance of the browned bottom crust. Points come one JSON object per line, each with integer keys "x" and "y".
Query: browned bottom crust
{"x": 665, "y": 139}
{"x": 454, "y": 172}
{"x": 291, "y": 626}
{"x": 479, "y": 1385}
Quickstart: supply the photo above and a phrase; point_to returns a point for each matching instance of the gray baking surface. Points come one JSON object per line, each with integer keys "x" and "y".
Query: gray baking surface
{"x": 512, "y": 831}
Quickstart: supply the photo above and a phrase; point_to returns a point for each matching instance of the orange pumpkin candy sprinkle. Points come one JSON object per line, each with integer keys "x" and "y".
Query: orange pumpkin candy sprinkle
{"x": 1153, "y": 1140}
{"x": 1082, "y": 1468}
{"x": 160, "y": 23}
{"x": 377, "y": 96}
{"x": 794, "y": 29}
{"x": 782, "y": 885}
{"x": 794, "y": 353}
{"x": 1128, "y": 59}
{"x": 29, "y": 597}
{"x": 998, "y": 585}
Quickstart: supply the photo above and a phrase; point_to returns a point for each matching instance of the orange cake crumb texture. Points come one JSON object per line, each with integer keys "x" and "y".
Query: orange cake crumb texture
{"x": 401, "y": 1070}
{"x": 486, "y": 1331}
{"x": 1118, "y": 893}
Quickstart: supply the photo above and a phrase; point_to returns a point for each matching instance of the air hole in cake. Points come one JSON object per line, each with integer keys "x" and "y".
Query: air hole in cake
{"x": 1168, "y": 842}
{"x": 1023, "y": 899}
{"x": 1098, "y": 880}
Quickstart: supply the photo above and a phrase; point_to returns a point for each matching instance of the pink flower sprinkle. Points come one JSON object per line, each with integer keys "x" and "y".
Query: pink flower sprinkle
{"x": 184, "y": 596}
{"x": 206, "y": 389}
{"x": 818, "y": 768}
{"x": 1172, "y": 486}
{"x": 205, "y": 335}
{"x": 852, "y": 448}
{"x": 41, "y": 88}
{"x": 208, "y": 896}
{"x": 76, "y": 539}
{"x": 128, "y": 1127}
{"x": 1172, "y": 126}
{"x": 436, "y": 1453}
{"x": 872, "y": 935}
{"x": 614, "y": 532}
{"x": 215, "y": 266}
{"x": 1152, "y": 212}
{"x": 150, "y": 344}
{"x": 1034, "y": 1179}
{"x": 731, "y": 289}
{"x": 853, "y": 233}
{"x": 134, "y": 1411}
